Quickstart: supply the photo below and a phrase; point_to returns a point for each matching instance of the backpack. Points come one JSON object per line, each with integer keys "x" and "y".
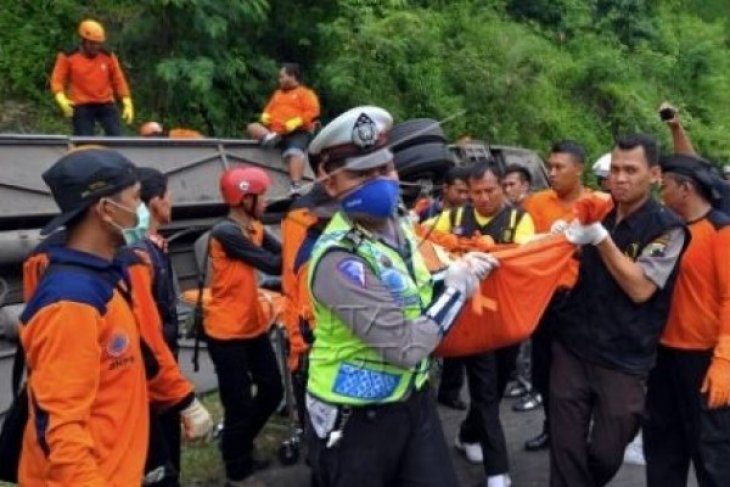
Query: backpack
{"x": 202, "y": 251}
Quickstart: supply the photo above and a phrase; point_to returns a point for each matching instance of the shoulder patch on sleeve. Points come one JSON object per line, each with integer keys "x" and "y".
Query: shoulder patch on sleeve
{"x": 658, "y": 246}
{"x": 353, "y": 269}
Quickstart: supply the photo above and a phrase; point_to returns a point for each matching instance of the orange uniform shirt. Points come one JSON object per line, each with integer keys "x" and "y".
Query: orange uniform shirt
{"x": 167, "y": 386}
{"x": 294, "y": 281}
{"x": 89, "y": 80}
{"x": 287, "y": 104}
{"x": 234, "y": 310}
{"x": 181, "y": 133}
{"x": 88, "y": 400}
{"x": 700, "y": 310}
{"x": 546, "y": 208}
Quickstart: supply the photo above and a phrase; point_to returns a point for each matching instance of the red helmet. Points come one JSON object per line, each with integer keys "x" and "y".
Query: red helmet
{"x": 238, "y": 182}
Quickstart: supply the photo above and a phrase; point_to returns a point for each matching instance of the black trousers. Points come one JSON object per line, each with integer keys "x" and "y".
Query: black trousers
{"x": 85, "y": 118}
{"x": 679, "y": 427}
{"x": 482, "y": 423}
{"x": 394, "y": 445}
{"x": 452, "y": 379}
{"x": 506, "y": 366}
{"x": 240, "y": 364}
{"x": 594, "y": 414}
{"x": 299, "y": 388}
{"x": 542, "y": 351}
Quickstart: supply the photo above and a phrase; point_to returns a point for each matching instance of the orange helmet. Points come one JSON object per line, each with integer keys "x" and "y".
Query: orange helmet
{"x": 91, "y": 30}
{"x": 238, "y": 182}
{"x": 151, "y": 129}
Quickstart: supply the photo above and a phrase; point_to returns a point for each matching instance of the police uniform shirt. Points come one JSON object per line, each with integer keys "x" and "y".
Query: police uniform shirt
{"x": 659, "y": 258}
{"x": 369, "y": 306}
{"x": 600, "y": 323}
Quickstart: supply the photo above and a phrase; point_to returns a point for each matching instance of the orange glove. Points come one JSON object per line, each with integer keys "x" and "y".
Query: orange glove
{"x": 592, "y": 208}
{"x": 294, "y": 361}
{"x": 717, "y": 383}
{"x": 482, "y": 243}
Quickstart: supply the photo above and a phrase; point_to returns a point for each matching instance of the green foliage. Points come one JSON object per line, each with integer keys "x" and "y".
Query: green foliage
{"x": 509, "y": 71}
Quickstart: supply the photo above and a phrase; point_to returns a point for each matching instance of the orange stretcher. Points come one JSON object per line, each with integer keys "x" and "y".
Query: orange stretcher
{"x": 272, "y": 302}
{"x": 512, "y": 298}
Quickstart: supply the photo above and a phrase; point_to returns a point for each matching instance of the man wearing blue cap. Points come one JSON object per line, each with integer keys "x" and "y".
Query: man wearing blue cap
{"x": 379, "y": 315}
{"x": 87, "y": 385}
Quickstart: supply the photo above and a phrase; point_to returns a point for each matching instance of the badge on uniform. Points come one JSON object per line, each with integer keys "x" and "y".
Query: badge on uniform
{"x": 394, "y": 281}
{"x": 364, "y": 132}
{"x": 657, "y": 247}
{"x": 354, "y": 270}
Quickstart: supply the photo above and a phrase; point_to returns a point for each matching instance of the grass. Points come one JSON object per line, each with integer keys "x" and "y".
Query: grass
{"x": 201, "y": 462}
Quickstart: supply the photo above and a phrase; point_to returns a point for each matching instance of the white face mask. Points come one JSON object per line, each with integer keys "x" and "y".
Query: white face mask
{"x": 139, "y": 231}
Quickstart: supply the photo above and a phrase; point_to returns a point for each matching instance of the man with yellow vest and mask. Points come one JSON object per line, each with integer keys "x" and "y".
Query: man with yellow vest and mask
{"x": 92, "y": 76}
{"x": 379, "y": 313}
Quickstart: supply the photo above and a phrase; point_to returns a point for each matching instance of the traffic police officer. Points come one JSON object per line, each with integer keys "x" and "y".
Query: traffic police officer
{"x": 379, "y": 315}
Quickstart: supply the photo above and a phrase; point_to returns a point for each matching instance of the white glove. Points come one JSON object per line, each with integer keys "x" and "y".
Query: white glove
{"x": 592, "y": 234}
{"x": 413, "y": 216}
{"x": 460, "y": 277}
{"x": 481, "y": 263}
{"x": 196, "y": 420}
{"x": 558, "y": 227}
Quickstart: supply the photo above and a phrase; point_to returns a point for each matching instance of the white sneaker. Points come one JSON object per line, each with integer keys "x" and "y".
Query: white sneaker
{"x": 634, "y": 454}
{"x": 472, "y": 451}
{"x": 270, "y": 140}
{"x": 502, "y": 480}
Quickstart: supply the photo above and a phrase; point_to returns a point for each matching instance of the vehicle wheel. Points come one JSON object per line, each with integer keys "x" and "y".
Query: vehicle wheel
{"x": 434, "y": 158}
{"x": 415, "y": 132}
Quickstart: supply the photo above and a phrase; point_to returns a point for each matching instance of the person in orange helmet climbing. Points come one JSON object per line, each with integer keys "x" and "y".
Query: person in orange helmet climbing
{"x": 92, "y": 76}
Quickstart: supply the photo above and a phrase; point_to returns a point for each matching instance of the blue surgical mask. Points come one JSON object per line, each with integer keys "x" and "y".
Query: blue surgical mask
{"x": 377, "y": 198}
{"x": 139, "y": 231}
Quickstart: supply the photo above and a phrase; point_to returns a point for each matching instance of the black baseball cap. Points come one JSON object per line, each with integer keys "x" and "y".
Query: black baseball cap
{"x": 82, "y": 177}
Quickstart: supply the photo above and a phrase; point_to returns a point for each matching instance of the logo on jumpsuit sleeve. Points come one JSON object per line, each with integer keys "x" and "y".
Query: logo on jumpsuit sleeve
{"x": 353, "y": 270}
